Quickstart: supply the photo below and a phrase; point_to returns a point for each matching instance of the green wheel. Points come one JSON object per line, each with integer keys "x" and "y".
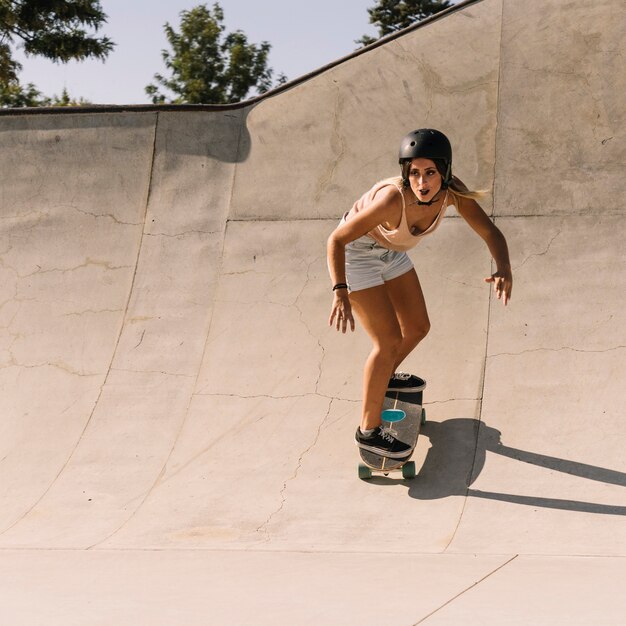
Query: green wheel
{"x": 423, "y": 416}
{"x": 408, "y": 470}
{"x": 364, "y": 471}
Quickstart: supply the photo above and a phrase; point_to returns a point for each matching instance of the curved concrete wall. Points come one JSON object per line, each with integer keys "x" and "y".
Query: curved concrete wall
{"x": 167, "y": 375}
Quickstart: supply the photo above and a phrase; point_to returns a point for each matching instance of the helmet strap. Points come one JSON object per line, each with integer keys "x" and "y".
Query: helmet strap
{"x": 406, "y": 168}
{"x": 448, "y": 177}
{"x": 435, "y": 199}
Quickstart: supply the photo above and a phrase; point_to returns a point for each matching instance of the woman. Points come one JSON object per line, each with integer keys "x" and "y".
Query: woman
{"x": 372, "y": 274}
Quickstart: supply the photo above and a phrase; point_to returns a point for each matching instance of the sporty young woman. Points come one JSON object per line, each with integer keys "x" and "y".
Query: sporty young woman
{"x": 372, "y": 274}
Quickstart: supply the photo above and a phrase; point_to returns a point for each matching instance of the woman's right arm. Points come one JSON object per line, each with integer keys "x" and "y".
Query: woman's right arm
{"x": 341, "y": 312}
{"x": 386, "y": 207}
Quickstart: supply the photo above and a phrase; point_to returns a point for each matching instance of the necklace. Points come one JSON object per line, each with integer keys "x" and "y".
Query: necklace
{"x": 435, "y": 199}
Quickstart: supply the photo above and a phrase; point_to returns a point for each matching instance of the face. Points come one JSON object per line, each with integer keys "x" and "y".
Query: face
{"x": 425, "y": 179}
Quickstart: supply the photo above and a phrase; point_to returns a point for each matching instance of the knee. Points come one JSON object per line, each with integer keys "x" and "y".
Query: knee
{"x": 418, "y": 332}
{"x": 390, "y": 348}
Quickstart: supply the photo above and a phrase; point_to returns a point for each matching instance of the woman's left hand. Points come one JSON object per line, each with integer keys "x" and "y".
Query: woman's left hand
{"x": 502, "y": 284}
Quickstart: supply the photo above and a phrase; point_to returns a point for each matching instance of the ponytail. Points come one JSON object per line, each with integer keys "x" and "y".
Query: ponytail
{"x": 458, "y": 188}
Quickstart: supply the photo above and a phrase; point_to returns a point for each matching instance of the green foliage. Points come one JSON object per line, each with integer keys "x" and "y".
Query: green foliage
{"x": 12, "y": 94}
{"x": 65, "y": 100}
{"x": 16, "y": 95}
{"x": 55, "y": 29}
{"x": 208, "y": 66}
{"x": 390, "y": 16}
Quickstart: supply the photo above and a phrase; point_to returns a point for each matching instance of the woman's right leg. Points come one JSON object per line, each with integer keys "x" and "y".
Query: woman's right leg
{"x": 378, "y": 317}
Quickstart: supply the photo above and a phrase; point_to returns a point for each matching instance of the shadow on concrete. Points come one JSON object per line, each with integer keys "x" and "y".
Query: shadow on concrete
{"x": 217, "y": 134}
{"x": 457, "y": 456}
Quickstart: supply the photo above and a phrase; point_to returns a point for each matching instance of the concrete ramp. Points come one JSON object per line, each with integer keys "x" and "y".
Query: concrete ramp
{"x": 177, "y": 417}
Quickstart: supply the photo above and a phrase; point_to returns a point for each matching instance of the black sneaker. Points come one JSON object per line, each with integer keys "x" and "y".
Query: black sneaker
{"x": 406, "y": 382}
{"x": 382, "y": 442}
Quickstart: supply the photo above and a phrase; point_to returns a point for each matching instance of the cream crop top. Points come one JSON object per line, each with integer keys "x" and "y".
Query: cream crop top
{"x": 400, "y": 239}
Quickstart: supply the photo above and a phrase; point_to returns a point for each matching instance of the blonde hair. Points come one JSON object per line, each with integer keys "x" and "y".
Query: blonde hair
{"x": 456, "y": 187}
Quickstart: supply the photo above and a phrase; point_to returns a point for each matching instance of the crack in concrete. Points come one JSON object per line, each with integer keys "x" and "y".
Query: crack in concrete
{"x": 253, "y": 302}
{"x": 19, "y": 302}
{"x": 160, "y": 372}
{"x": 92, "y": 311}
{"x": 106, "y": 374}
{"x": 263, "y": 528}
{"x": 452, "y": 400}
{"x": 103, "y": 215}
{"x": 338, "y": 145}
{"x": 61, "y": 366}
{"x": 458, "y": 595}
{"x": 463, "y": 284}
{"x": 89, "y": 262}
{"x": 244, "y": 272}
{"x": 540, "y": 253}
{"x": 434, "y": 83}
{"x": 493, "y": 356}
{"x": 184, "y": 233}
{"x": 270, "y": 397}
{"x": 143, "y": 334}
{"x": 295, "y": 305}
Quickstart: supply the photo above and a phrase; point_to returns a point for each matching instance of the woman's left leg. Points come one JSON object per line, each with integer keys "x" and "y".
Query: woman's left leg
{"x": 405, "y": 293}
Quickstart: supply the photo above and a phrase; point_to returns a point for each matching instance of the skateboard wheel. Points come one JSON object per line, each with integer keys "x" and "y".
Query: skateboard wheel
{"x": 364, "y": 472}
{"x": 423, "y": 416}
{"x": 408, "y": 470}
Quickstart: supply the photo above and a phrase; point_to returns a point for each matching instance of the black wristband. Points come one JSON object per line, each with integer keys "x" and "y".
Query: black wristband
{"x": 340, "y": 286}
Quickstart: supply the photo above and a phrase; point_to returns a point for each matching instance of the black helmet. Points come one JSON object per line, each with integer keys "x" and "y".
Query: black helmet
{"x": 427, "y": 143}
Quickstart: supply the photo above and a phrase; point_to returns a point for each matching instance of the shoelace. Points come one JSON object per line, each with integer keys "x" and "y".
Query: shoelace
{"x": 386, "y": 434}
{"x": 401, "y": 376}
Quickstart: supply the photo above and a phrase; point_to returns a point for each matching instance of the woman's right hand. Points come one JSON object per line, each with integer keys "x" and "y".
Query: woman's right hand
{"x": 341, "y": 313}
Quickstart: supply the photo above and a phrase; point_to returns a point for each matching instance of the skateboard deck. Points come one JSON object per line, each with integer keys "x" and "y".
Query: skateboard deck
{"x": 406, "y": 429}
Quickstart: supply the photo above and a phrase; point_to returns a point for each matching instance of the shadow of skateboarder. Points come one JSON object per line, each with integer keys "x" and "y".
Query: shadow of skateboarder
{"x": 457, "y": 456}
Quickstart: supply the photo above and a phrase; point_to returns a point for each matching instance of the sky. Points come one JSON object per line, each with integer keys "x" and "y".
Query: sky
{"x": 304, "y": 36}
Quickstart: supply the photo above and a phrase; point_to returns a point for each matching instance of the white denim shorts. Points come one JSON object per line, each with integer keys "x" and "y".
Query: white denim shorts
{"x": 368, "y": 264}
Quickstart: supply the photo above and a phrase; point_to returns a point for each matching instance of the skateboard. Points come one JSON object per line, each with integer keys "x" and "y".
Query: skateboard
{"x": 404, "y": 415}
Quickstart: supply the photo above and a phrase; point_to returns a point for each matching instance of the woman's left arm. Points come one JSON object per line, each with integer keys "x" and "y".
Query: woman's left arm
{"x": 474, "y": 215}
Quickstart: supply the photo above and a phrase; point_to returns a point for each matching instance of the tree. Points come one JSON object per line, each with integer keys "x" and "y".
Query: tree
{"x": 15, "y": 95}
{"x": 208, "y": 66}
{"x": 390, "y": 16}
{"x": 65, "y": 100}
{"x": 55, "y": 29}
{"x": 12, "y": 94}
